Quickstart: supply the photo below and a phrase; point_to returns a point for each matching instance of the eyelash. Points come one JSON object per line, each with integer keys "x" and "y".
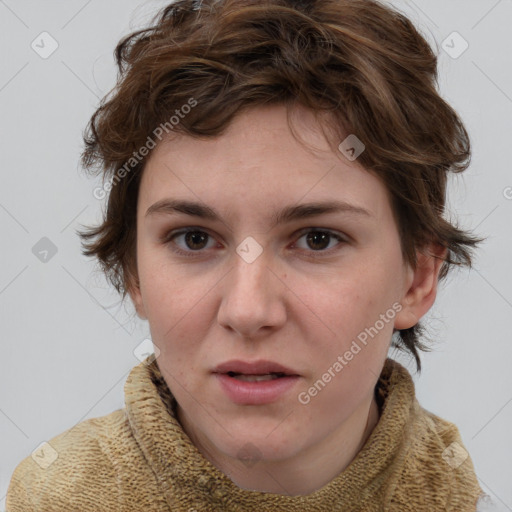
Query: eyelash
{"x": 168, "y": 240}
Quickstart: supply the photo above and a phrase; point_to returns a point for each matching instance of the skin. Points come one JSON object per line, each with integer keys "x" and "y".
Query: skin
{"x": 299, "y": 303}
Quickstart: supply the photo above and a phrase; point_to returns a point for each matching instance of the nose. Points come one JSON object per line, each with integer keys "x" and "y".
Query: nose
{"x": 253, "y": 298}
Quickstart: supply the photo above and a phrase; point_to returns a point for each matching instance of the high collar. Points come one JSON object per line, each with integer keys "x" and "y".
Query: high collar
{"x": 188, "y": 478}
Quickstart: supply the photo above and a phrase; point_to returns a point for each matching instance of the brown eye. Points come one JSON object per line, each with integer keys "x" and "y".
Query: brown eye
{"x": 195, "y": 239}
{"x": 318, "y": 240}
{"x": 194, "y": 242}
{"x": 191, "y": 242}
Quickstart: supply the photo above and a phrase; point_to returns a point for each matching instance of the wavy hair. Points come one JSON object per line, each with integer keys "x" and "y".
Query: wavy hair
{"x": 360, "y": 61}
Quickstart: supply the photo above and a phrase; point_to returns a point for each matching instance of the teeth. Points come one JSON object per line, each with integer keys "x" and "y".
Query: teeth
{"x": 256, "y": 378}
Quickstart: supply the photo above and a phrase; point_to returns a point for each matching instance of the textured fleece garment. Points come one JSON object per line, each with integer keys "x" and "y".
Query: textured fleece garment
{"x": 139, "y": 459}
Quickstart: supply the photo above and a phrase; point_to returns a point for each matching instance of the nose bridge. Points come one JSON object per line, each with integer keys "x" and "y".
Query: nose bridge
{"x": 251, "y": 293}
{"x": 251, "y": 277}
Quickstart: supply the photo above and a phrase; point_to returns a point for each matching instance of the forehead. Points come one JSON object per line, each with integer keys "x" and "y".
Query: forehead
{"x": 257, "y": 163}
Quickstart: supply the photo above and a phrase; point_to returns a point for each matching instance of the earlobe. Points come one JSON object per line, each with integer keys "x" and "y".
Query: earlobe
{"x": 421, "y": 286}
{"x": 405, "y": 319}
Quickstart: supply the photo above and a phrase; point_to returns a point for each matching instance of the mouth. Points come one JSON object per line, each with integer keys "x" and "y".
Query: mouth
{"x": 256, "y": 378}
{"x": 254, "y": 371}
{"x": 255, "y": 382}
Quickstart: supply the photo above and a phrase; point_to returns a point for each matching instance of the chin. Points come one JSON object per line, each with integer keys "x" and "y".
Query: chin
{"x": 253, "y": 446}
{"x": 251, "y": 438}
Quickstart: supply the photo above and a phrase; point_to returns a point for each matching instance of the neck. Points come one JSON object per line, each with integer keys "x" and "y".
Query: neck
{"x": 302, "y": 474}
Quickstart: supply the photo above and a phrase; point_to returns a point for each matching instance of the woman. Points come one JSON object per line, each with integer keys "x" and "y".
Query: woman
{"x": 276, "y": 185}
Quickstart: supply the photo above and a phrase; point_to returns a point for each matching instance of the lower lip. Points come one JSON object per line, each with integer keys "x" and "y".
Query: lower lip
{"x": 256, "y": 393}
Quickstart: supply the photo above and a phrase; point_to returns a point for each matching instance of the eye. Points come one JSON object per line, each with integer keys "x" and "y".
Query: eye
{"x": 318, "y": 239}
{"x": 194, "y": 241}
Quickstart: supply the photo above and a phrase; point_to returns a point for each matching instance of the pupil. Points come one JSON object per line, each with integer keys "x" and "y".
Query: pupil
{"x": 196, "y": 237}
{"x": 323, "y": 236}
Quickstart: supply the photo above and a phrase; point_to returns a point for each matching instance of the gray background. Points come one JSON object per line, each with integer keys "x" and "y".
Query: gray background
{"x": 67, "y": 343}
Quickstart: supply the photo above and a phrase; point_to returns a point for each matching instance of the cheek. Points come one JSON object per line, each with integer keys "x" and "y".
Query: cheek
{"x": 169, "y": 300}
{"x": 350, "y": 305}
{"x": 165, "y": 289}
{"x": 355, "y": 292}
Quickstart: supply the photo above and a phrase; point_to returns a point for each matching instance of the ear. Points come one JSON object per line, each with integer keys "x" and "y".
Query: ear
{"x": 136, "y": 296}
{"x": 420, "y": 286}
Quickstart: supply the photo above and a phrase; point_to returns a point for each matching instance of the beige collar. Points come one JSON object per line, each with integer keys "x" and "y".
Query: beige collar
{"x": 400, "y": 467}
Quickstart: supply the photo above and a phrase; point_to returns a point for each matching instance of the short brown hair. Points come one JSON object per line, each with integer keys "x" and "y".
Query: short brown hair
{"x": 363, "y": 63}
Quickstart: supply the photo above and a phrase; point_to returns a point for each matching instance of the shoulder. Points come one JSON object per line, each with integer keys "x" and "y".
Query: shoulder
{"x": 445, "y": 436}
{"x": 444, "y": 461}
{"x": 74, "y": 470}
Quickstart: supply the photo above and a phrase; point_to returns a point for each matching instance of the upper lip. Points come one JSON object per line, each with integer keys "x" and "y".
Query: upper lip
{"x": 261, "y": 367}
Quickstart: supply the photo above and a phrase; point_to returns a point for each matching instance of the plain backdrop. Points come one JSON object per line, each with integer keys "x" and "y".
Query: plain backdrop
{"x": 66, "y": 341}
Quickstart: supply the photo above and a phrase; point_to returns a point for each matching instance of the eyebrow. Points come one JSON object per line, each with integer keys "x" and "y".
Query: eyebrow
{"x": 287, "y": 214}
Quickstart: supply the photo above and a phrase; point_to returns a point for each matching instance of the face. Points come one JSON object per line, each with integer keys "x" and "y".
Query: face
{"x": 240, "y": 286}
